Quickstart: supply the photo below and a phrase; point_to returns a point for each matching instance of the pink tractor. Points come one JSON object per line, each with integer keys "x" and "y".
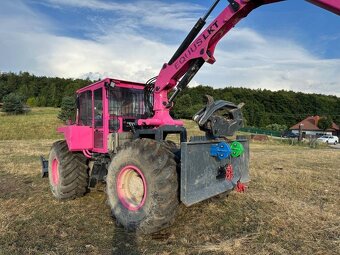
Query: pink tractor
{"x": 122, "y": 130}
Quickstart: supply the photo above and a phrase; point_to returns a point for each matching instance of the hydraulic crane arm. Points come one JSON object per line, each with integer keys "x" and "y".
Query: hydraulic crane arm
{"x": 330, "y": 5}
{"x": 198, "y": 49}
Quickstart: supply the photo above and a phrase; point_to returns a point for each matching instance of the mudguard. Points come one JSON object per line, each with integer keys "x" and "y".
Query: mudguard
{"x": 204, "y": 176}
{"x": 220, "y": 118}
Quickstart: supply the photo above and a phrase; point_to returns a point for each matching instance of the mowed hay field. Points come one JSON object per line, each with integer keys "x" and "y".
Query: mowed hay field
{"x": 291, "y": 207}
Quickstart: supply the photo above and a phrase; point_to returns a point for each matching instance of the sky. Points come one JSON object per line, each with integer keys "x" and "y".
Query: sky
{"x": 291, "y": 45}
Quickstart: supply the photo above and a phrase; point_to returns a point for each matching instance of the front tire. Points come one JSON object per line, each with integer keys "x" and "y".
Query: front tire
{"x": 67, "y": 172}
{"x": 142, "y": 186}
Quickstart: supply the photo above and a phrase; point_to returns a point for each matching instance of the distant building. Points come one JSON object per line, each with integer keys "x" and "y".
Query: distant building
{"x": 310, "y": 128}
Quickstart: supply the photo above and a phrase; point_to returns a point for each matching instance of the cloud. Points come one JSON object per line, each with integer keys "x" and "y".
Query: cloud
{"x": 247, "y": 58}
{"x": 28, "y": 42}
{"x": 155, "y": 14}
{"x": 91, "y": 4}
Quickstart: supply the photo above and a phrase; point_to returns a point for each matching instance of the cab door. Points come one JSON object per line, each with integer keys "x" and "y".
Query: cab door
{"x": 98, "y": 119}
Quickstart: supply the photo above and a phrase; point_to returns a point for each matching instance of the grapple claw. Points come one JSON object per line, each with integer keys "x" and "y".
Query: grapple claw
{"x": 219, "y": 118}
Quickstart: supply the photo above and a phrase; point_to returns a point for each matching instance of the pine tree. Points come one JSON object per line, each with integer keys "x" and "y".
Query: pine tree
{"x": 12, "y": 104}
{"x": 68, "y": 109}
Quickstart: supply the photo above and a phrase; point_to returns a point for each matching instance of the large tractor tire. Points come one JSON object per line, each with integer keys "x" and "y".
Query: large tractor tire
{"x": 67, "y": 171}
{"x": 142, "y": 186}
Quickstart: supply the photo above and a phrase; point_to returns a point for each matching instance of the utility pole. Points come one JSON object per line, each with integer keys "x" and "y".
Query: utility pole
{"x": 300, "y": 132}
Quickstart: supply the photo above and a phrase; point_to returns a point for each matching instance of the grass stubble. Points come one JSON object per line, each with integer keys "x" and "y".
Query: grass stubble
{"x": 290, "y": 207}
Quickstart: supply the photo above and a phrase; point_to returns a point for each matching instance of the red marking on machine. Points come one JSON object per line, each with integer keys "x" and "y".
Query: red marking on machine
{"x": 229, "y": 173}
{"x": 240, "y": 187}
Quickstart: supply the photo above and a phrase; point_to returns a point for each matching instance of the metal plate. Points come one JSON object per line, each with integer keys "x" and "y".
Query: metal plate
{"x": 199, "y": 171}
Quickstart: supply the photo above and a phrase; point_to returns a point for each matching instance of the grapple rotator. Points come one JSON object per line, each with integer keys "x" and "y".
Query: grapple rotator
{"x": 219, "y": 118}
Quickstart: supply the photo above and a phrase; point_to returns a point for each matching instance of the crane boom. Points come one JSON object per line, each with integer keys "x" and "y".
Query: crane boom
{"x": 199, "y": 49}
{"x": 330, "y": 5}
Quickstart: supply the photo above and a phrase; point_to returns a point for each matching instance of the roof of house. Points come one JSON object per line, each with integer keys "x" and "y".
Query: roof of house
{"x": 311, "y": 124}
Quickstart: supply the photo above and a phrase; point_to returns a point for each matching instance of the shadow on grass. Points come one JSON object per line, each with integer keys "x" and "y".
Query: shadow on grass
{"x": 16, "y": 186}
{"x": 124, "y": 242}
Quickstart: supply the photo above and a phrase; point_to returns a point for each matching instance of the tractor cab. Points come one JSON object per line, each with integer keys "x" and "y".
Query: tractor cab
{"x": 106, "y": 113}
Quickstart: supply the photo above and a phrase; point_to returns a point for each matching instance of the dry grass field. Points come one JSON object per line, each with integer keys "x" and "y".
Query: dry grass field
{"x": 291, "y": 207}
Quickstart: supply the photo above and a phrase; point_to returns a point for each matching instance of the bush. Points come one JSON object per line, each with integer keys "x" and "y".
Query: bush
{"x": 32, "y": 102}
{"x": 12, "y": 104}
{"x": 276, "y": 127}
{"x": 68, "y": 109}
{"x": 185, "y": 108}
{"x": 325, "y": 123}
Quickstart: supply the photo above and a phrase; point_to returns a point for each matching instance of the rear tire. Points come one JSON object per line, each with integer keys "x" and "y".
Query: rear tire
{"x": 67, "y": 172}
{"x": 152, "y": 206}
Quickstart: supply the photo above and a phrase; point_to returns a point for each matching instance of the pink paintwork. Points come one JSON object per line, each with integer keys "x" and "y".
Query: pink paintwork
{"x": 123, "y": 193}
{"x": 55, "y": 172}
{"x": 87, "y": 154}
{"x": 81, "y": 138}
{"x": 106, "y": 116}
{"x": 78, "y": 138}
{"x": 162, "y": 114}
{"x": 330, "y": 5}
{"x": 204, "y": 47}
{"x": 119, "y": 83}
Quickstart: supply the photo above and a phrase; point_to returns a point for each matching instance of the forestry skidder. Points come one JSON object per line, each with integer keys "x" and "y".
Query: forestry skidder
{"x": 121, "y": 130}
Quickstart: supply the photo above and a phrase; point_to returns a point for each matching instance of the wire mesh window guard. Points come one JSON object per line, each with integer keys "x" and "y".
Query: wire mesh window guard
{"x": 125, "y": 102}
{"x": 98, "y": 108}
{"x": 85, "y": 109}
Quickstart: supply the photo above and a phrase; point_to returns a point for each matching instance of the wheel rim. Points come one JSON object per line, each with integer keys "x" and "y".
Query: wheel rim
{"x": 55, "y": 171}
{"x": 131, "y": 188}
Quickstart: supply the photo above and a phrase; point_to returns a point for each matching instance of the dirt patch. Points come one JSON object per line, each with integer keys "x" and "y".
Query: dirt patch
{"x": 15, "y": 186}
{"x": 259, "y": 138}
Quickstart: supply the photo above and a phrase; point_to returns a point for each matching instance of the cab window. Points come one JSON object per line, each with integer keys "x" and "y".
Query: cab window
{"x": 98, "y": 108}
{"x": 85, "y": 108}
{"x": 126, "y": 102}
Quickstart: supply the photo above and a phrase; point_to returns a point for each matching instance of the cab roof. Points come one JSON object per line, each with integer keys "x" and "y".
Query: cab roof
{"x": 119, "y": 83}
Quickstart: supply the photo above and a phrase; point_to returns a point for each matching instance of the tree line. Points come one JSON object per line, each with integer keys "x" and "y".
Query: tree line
{"x": 39, "y": 91}
{"x": 262, "y": 108}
